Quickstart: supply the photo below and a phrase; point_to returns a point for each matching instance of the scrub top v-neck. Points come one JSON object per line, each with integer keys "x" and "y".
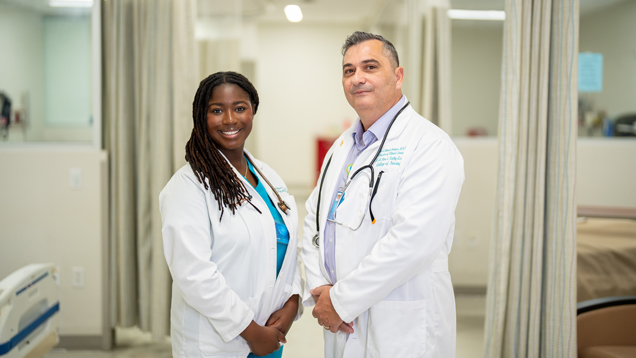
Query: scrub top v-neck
{"x": 282, "y": 234}
{"x": 282, "y": 240}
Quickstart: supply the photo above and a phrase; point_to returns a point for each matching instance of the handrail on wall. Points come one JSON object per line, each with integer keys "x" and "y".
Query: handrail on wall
{"x": 614, "y": 212}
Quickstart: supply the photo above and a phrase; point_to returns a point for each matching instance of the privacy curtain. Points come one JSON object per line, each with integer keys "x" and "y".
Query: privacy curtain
{"x": 149, "y": 78}
{"x": 436, "y": 95}
{"x": 531, "y": 301}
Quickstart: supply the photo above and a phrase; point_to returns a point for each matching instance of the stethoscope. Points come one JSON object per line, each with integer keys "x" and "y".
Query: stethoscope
{"x": 281, "y": 203}
{"x": 372, "y": 189}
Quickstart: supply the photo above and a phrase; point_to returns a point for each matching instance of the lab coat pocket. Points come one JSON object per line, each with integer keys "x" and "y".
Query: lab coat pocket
{"x": 397, "y": 329}
{"x": 292, "y": 215}
{"x": 351, "y": 210}
{"x": 385, "y": 195}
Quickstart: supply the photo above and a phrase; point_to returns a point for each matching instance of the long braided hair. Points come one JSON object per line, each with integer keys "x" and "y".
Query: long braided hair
{"x": 202, "y": 152}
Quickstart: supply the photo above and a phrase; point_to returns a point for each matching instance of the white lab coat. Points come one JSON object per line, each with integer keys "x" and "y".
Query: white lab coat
{"x": 393, "y": 280}
{"x": 224, "y": 272}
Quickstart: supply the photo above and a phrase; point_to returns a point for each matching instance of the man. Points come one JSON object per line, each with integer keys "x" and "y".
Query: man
{"x": 383, "y": 212}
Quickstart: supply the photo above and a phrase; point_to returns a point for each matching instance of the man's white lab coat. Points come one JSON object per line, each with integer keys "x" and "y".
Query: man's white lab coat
{"x": 392, "y": 276}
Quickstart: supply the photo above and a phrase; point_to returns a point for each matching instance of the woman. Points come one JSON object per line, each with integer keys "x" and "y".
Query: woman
{"x": 229, "y": 234}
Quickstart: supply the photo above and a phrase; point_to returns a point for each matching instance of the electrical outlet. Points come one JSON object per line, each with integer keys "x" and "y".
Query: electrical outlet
{"x": 56, "y": 275}
{"x": 76, "y": 178}
{"x": 78, "y": 277}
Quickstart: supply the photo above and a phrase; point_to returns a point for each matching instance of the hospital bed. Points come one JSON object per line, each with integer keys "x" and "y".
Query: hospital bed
{"x": 29, "y": 312}
{"x": 606, "y": 252}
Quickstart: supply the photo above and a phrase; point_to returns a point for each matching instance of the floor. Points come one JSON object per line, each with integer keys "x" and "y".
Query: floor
{"x": 304, "y": 339}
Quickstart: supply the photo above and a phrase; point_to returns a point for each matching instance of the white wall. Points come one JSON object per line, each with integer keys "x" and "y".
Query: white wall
{"x": 43, "y": 219}
{"x": 605, "y": 176}
{"x": 299, "y": 82}
{"x": 468, "y": 261}
{"x": 612, "y": 32}
{"x": 475, "y": 74}
{"x": 606, "y": 172}
{"x": 22, "y": 68}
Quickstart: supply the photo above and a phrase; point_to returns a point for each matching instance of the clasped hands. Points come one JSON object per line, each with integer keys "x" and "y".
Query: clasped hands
{"x": 264, "y": 340}
{"x": 326, "y": 314}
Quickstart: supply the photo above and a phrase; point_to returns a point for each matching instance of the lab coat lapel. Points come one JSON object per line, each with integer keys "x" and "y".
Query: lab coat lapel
{"x": 286, "y": 217}
{"x": 256, "y": 200}
{"x": 270, "y": 192}
{"x": 401, "y": 123}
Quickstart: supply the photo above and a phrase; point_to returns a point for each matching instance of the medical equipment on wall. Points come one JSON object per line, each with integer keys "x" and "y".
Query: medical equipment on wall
{"x": 5, "y": 115}
{"x": 29, "y": 307}
{"x": 372, "y": 189}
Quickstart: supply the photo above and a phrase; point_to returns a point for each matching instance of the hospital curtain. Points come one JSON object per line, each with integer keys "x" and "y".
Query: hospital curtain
{"x": 436, "y": 96}
{"x": 149, "y": 83}
{"x": 531, "y": 301}
{"x": 427, "y": 63}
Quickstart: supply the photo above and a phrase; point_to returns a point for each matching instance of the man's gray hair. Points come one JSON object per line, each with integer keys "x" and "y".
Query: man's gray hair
{"x": 387, "y": 47}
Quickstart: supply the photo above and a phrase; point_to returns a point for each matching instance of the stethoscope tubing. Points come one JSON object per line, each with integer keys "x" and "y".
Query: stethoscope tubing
{"x": 370, "y": 166}
{"x": 284, "y": 207}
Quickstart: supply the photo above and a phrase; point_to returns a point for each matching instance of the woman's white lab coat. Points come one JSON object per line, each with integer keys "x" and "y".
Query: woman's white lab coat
{"x": 223, "y": 271}
{"x": 393, "y": 279}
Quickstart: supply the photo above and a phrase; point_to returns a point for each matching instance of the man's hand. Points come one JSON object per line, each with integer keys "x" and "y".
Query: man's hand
{"x": 318, "y": 289}
{"x": 263, "y": 340}
{"x": 326, "y": 314}
{"x": 284, "y": 317}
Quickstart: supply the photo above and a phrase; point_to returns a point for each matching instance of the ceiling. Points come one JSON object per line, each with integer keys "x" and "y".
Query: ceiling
{"x": 42, "y": 6}
{"x": 313, "y": 10}
{"x": 336, "y": 11}
{"x": 346, "y": 10}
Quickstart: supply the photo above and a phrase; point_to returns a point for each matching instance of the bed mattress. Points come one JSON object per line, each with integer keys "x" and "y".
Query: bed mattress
{"x": 606, "y": 258}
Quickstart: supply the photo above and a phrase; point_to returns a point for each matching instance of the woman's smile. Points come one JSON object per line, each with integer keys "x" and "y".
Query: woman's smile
{"x": 230, "y": 134}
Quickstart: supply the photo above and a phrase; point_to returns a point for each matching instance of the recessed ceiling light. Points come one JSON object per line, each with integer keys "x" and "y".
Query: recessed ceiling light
{"x": 492, "y": 15}
{"x": 293, "y": 13}
{"x": 71, "y": 3}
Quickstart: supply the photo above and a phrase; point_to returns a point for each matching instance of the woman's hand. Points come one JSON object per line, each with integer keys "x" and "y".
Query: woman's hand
{"x": 283, "y": 318}
{"x": 263, "y": 340}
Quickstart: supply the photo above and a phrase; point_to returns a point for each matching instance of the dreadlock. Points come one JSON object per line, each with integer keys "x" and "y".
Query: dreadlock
{"x": 202, "y": 152}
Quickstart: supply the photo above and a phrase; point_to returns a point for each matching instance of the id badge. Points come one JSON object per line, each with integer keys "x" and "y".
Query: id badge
{"x": 336, "y": 203}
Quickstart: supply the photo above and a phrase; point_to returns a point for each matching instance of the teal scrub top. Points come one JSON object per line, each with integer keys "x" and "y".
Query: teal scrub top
{"x": 282, "y": 240}
{"x": 282, "y": 234}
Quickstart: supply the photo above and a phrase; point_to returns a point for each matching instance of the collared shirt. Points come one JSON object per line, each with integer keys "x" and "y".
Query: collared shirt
{"x": 362, "y": 140}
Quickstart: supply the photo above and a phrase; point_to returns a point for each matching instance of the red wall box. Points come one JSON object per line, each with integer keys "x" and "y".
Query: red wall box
{"x": 323, "y": 144}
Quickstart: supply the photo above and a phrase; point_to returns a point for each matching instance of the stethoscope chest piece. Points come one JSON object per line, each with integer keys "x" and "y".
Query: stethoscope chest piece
{"x": 315, "y": 240}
